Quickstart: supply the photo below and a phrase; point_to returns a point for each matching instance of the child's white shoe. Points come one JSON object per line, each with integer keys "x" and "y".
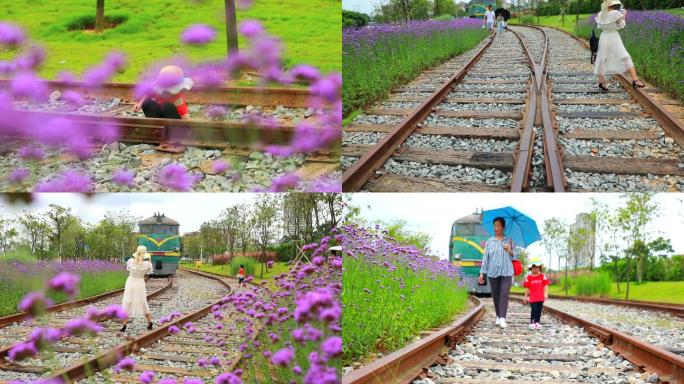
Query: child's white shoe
{"x": 502, "y": 324}
{"x": 537, "y": 326}
{"x": 498, "y": 321}
{"x": 532, "y": 326}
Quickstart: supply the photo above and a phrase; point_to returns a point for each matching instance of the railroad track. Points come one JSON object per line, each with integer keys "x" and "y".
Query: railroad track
{"x": 500, "y": 124}
{"x": 76, "y": 357}
{"x": 674, "y": 309}
{"x": 144, "y": 144}
{"x": 567, "y": 349}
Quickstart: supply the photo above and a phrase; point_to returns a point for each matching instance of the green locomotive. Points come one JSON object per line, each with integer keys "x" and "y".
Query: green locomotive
{"x": 161, "y": 236}
{"x": 466, "y": 247}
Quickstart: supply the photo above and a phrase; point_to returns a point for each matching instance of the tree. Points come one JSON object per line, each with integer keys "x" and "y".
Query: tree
{"x": 444, "y": 7}
{"x": 398, "y": 230}
{"x": 60, "y": 218}
{"x": 37, "y": 232}
{"x": 228, "y": 223}
{"x": 553, "y": 238}
{"x": 7, "y": 235}
{"x": 633, "y": 217}
{"x": 99, "y": 17}
{"x": 231, "y": 26}
{"x": 266, "y": 213}
{"x": 245, "y": 226}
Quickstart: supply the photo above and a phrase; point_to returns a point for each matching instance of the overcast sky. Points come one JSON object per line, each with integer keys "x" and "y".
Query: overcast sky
{"x": 435, "y": 213}
{"x": 364, "y": 6}
{"x": 189, "y": 209}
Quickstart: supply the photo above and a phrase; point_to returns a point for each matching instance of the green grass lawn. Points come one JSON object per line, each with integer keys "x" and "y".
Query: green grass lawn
{"x": 656, "y": 291}
{"x": 555, "y": 21}
{"x": 278, "y": 268}
{"x": 310, "y": 30}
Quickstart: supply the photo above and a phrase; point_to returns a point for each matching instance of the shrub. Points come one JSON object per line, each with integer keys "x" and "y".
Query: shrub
{"x": 443, "y": 18}
{"x": 249, "y": 263}
{"x": 83, "y": 22}
{"x": 595, "y": 284}
{"x": 527, "y": 19}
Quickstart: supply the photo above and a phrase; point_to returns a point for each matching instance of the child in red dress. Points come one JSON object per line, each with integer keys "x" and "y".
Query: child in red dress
{"x": 536, "y": 290}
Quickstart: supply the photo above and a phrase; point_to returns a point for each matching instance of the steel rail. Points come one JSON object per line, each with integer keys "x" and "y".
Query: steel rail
{"x": 647, "y": 357}
{"x": 111, "y": 356}
{"x": 150, "y": 296}
{"x": 523, "y": 163}
{"x": 672, "y": 126}
{"x": 201, "y": 133}
{"x": 364, "y": 168}
{"x": 674, "y": 309}
{"x": 234, "y": 95}
{"x": 404, "y": 365}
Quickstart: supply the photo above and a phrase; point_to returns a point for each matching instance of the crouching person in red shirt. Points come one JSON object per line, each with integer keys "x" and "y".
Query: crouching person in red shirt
{"x": 536, "y": 290}
{"x": 169, "y": 99}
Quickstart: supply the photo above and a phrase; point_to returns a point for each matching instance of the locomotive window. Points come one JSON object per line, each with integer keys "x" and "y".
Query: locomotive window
{"x": 465, "y": 229}
{"x": 480, "y": 231}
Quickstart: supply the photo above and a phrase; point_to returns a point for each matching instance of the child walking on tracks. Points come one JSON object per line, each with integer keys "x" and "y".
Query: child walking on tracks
{"x": 536, "y": 290}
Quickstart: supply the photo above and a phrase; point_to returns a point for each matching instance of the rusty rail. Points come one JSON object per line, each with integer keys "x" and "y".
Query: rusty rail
{"x": 523, "y": 163}
{"x": 234, "y": 95}
{"x": 111, "y": 356}
{"x": 675, "y": 309}
{"x": 648, "y": 357}
{"x": 363, "y": 169}
{"x": 672, "y": 126}
{"x": 150, "y": 296}
{"x": 404, "y": 365}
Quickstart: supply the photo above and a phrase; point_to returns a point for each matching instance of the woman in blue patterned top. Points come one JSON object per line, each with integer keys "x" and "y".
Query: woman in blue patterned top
{"x": 497, "y": 265}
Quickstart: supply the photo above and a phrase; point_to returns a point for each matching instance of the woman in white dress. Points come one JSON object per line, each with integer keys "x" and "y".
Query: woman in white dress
{"x": 134, "y": 301}
{"x": 612, "y": 57}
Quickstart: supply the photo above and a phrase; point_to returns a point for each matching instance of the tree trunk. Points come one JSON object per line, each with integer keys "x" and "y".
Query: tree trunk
{"x": 629, "y": 276}
{"x": 99, "y": 17}
{"x": 231, "y": 26}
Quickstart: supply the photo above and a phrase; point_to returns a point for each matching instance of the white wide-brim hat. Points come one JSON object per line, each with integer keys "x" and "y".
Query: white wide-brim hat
{"x": 614, "y": 2}
{"x": 186, "y": 84}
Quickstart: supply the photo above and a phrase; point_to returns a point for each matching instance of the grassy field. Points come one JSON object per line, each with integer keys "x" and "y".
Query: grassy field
{"x": 278, "y": 268}
{"x": 657, "y": 291}
{"x": 310, "y": 30}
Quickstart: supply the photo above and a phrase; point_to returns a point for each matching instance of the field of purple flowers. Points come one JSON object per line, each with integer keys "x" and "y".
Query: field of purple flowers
{"x": 655, "y": 40}
{"x": 299, "y": 336}
{"x": 392, "y": 292}
{"x": 377, "y": 58}
{"x": 18, "y": 278}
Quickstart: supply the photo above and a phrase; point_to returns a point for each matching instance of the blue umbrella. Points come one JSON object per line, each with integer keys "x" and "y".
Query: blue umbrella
{"x": 519, "y": 227}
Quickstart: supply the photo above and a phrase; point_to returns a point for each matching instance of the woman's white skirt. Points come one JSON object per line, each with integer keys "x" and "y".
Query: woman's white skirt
{"x": 612, "y": 57}
{"x": 135, "y": 298}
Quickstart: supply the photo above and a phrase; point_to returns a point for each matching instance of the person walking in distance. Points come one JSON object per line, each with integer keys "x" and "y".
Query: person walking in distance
{"x": 489, "y": 19}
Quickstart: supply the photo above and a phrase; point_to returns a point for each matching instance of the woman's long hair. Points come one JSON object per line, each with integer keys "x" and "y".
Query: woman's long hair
{"x": 140, "y": 254}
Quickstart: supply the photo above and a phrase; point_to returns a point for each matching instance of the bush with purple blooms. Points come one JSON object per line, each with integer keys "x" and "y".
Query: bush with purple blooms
{"x": 392, "y": 292}
{"x": 17, "y": 278}
{"x": 655, "y": 40}
{"x": 300, "y": 337}
{"x": 377, "y": 58}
